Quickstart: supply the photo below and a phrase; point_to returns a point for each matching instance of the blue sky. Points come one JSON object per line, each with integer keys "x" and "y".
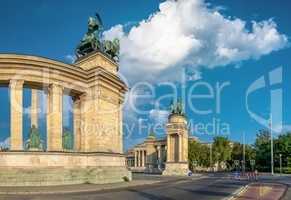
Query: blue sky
{"x": 53, "y": 29}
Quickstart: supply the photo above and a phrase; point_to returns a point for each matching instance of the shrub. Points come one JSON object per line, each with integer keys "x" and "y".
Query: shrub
{"x": 126, "y": 179}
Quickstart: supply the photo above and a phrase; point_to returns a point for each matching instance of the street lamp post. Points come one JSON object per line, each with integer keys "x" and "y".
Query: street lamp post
{"x": 211, "y": 158}
{"x": 244, "y": 153}
{"x": 272, "y": 146}
{"x": 280, "y": 164}
{"x": 253, "y": 162}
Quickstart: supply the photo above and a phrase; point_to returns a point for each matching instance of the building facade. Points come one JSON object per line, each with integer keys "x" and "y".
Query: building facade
{"x": 149, "y": 156}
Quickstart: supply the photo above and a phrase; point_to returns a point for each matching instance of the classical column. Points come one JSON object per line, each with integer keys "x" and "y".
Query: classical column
{"x": 145, "y": 158}
{"x": 159, "y": 155}
{"x": 34, "y": 108}
{"x": 54, "y": 118}
{"x": 135, "y": 158}
{"x": 140, "y": 160}
{"x": 169, "y": 151}
{"x": 16, "y": 111}
{"x": 77, "y": 123}
{"x": 180, "y": 138}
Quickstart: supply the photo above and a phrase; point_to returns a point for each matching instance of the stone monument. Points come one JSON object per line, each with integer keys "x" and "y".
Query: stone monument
{"x": 177, "y": 142}
{"x": 95, "y": 153}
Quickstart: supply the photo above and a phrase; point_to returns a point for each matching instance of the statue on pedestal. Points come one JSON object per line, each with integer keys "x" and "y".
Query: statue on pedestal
{"x": 68, "y": 143}
{"x": 177, "y": 108}
{"x": 34, "y": 142}
{"x": 92, "y": 41}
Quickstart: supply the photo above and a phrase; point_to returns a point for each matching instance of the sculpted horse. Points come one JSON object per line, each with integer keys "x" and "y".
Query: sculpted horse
{"x": 112, "y": 48}
{"x": 90, "y": 41}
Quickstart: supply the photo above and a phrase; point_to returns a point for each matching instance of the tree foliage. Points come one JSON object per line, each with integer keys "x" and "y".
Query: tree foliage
{"x": 237, "y": 154}
{"x": 200, "y": 153}
{"x": 221, "y": 149}
{"x": 282, "y": 145}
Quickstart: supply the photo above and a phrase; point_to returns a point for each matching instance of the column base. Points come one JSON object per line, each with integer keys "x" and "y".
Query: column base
{"x": 176, "y": 169}
{"x": 35, "y": 149}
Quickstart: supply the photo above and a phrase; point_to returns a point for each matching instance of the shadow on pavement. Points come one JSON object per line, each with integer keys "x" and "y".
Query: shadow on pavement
{"x": 208, "y": 193}
{"x": 149, "y": 196}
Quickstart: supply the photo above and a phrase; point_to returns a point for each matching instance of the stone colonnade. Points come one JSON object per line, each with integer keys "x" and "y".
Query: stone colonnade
{"x": 141, "y": 157}
{"x": 54, "y": 116}
{"x": 97, "y": 92}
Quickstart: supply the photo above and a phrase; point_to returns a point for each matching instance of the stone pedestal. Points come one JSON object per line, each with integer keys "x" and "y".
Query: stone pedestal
{"x": 101, "y": 106}
{"x": 176, "y": 169}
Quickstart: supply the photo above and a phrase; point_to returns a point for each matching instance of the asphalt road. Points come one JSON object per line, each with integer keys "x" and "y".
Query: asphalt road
{"x": 216, "y": 187}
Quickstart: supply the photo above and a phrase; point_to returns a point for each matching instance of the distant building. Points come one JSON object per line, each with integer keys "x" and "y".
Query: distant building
{"x": 149, "y": 156}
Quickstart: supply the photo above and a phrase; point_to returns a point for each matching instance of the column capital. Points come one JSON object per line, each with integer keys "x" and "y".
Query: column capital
{"x": 55, "y": 86}
{"x": 16, "y": 83}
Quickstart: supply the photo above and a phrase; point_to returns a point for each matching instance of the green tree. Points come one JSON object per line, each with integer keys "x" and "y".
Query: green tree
{"x": 198, "y": 152}
{"x": 237, "y": 154}
{"x": 283, "y": 147}
{"x": 263, "y": 150}
{"x": 221, "y": 150}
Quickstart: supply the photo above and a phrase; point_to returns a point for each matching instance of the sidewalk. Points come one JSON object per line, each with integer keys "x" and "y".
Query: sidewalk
{"x": 73, "y": 188}
{"x": 64, "y": 189}
{"x": 263, "y": 191}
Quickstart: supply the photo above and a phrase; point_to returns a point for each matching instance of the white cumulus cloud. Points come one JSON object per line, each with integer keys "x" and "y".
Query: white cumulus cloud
{"x": 190, "y": 33}
{"x": 159, "y": 116}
